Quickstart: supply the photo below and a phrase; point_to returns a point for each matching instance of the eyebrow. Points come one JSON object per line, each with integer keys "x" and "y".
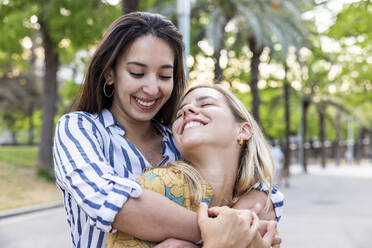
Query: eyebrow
{"x": 199, "y": 99}
{"x": 143, "y": 65}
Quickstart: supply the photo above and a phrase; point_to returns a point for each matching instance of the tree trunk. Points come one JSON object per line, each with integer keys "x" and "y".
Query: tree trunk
{"x": 322, "y": 136}
{"x": 338, "y": 138}
{"x": 218, "y": 74}
{"x": 13, "y": 137}
{"x": 359, "y": 144}
{"x": 129, "y": 6}
{"x": 217, "y": 68}
{"x": 287, "y": 151}
{"x": 254, "y": 78}
{"x": 49, "y": 100}
{"x": 305, "y": 104}
{"x": 31, "y": 126}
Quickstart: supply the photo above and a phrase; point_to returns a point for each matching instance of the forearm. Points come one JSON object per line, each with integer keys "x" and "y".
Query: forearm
{"x": 153, "y": 217}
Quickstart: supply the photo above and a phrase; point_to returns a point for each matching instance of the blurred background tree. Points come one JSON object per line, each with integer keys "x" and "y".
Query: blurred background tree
{"x": 301, "y": 84}
{"x": 58, "y": 29}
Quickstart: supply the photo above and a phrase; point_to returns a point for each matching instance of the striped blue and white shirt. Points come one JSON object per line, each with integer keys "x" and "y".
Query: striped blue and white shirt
{"x": 96, "y": 168}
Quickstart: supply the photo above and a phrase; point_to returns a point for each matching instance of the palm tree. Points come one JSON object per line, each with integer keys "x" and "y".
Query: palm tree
{"x": 267, "y": 23}
{"x": 315, "y": 92}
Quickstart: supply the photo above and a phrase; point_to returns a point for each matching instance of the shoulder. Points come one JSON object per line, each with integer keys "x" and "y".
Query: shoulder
{"x": 162, "y": 177}
{"x": 78, "y": 118}
{"x": 78, "y": 115}
{"x": 168, "y": 181}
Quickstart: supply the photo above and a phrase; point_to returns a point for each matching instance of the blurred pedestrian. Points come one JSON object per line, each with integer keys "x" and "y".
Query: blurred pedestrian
{"x": 278, "y": 158}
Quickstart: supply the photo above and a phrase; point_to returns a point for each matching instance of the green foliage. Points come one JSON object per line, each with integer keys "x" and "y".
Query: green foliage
{"x": 354, "y": 21}
{"x": 73, "y": 25}
{"x": 76, "y": 24}
{"x": 68, "y": 93}
{"x": 79, "y": 24}
{"x": 25, "y": 156}
{"x": 13, "y": 27}
{"x": 272, "y": 111}
{"x": 353, "y": 32}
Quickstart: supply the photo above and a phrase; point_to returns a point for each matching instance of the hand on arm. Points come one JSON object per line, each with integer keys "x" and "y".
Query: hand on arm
{"x": 229, "y": 228}
{"x": 254, "y": 201}
{"x": 267, "y": 240}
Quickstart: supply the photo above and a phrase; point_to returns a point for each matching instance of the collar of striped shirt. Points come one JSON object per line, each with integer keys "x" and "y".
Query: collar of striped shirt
{"x": 108, "y": 120}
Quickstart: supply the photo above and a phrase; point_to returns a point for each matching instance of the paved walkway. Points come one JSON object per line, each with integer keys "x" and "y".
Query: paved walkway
{"x": 44, "y": 229}
{"x": 328, "y": 208}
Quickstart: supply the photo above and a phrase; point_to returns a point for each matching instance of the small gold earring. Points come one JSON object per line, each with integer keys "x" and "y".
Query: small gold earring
{"x": 241, "y": 142}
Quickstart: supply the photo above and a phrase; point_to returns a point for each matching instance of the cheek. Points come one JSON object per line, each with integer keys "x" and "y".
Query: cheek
{"x": 175, "y": 126}
{"x": 167, "y": 89}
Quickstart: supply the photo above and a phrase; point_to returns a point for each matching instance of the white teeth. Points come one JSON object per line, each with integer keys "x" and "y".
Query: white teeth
{"x": 146, "y": 104}
{"x": 192, "y": 124}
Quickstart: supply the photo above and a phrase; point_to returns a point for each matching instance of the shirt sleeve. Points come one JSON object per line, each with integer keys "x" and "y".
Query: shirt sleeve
{"x": 277, "y": 198}
{"x": 81, "y": 169}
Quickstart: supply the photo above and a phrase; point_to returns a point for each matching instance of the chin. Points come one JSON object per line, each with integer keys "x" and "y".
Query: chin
{"x": 144, "y": 117}
{"x": 190, "y": 143}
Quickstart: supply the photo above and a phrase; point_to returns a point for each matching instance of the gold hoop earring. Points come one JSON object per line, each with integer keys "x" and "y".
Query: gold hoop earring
{"x": 104, "y": 91}
{"x": 241, "y": 142}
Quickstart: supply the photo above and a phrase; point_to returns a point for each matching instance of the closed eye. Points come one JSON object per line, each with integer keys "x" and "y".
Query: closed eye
{"x": 206, "y": 104}
{"x": 165, "y": 77}
{"x": 137, "y": 75}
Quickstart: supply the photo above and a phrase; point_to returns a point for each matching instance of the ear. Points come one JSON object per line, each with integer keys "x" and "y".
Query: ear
{"x": 245, "y": 131}
{"x": 109, "y": 76}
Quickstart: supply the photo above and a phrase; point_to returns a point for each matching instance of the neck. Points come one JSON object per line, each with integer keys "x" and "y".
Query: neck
{"x": 136, "y": 131}
{"x": 219, "y": 167}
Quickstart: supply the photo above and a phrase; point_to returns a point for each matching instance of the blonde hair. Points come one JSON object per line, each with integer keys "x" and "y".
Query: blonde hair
{"x": 255, "y": 162}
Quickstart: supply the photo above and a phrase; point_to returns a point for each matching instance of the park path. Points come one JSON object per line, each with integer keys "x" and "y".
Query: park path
{"x": 326, "y": 208}
{"x": 329, "y": 207}
{"x": 42, "y": 229}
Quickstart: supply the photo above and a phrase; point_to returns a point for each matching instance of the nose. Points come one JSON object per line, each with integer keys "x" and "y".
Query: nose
{"x": 151, "y": 86}
{"x": 189, "y": 109}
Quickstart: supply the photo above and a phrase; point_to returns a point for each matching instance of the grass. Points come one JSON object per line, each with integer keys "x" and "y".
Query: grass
{"x": 20, "y": 185}
{"x": 25, "y": 156}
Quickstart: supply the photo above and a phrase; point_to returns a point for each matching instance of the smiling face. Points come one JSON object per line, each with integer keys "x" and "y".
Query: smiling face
{"x": 143, "y": 79}
{"x": 204, "y": 118}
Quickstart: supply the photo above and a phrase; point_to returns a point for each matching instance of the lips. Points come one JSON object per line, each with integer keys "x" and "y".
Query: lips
{"x": 192, "y": 123}
{"x": 146, "y": 104}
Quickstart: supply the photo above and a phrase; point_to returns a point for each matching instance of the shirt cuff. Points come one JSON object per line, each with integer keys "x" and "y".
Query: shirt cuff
{"x": 122, "y": 189}
{"x": 277, "y": 198}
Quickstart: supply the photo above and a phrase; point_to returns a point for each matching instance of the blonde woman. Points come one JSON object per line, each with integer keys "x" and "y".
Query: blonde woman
{"x": 225, "y": 156}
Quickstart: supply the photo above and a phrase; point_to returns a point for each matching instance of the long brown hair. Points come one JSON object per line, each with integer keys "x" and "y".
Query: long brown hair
{"x": 121, "y": 33}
